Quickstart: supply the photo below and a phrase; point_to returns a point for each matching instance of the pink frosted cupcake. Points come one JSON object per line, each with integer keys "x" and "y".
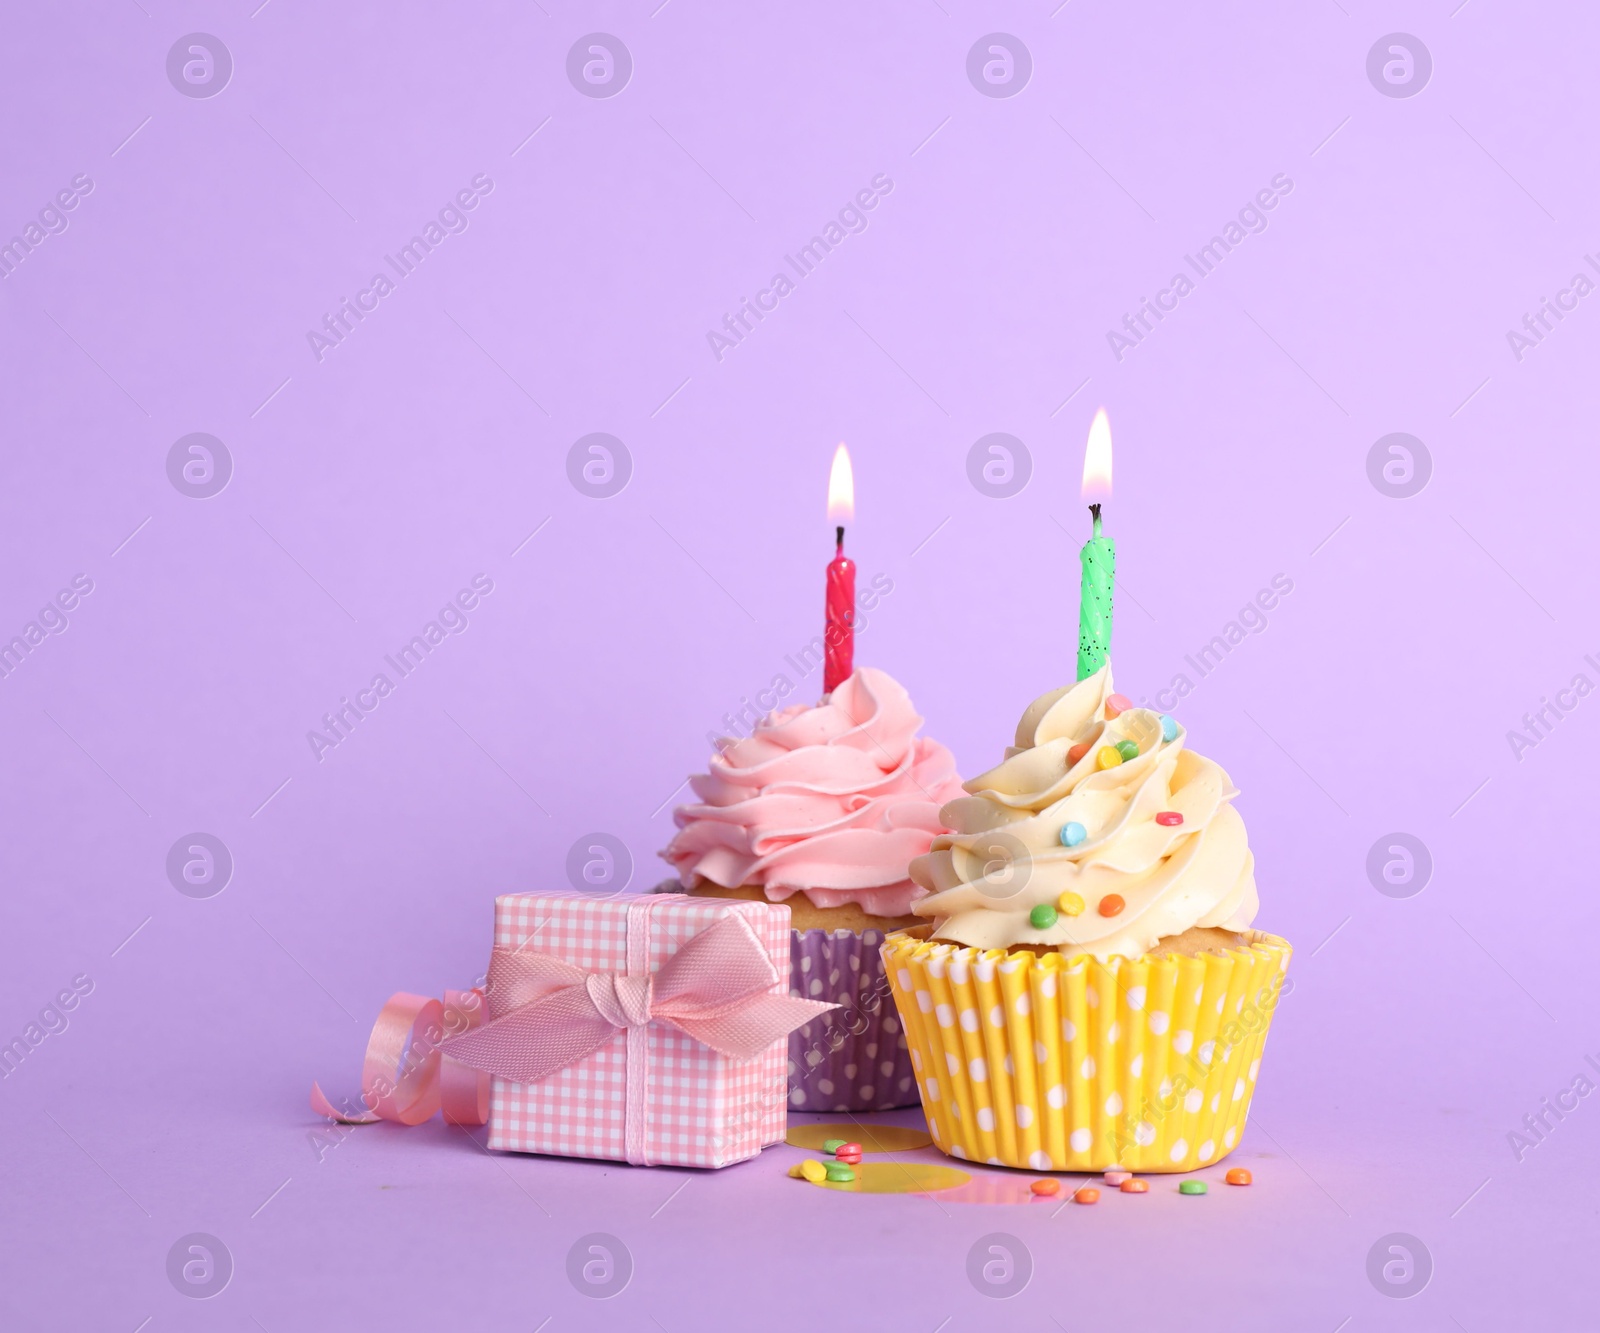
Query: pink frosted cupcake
{"x": 824, "y": 808}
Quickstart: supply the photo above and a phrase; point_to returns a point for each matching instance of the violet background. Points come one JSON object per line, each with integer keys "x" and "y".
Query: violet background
{"x": 370, "y": 487}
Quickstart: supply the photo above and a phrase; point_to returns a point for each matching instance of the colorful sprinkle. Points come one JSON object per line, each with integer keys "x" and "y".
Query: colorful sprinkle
{"x": 1077, "y": 752}
{"x": 1192, "y": 1187}
{"x": 1072, "y": 833}
{"x": 814, "y": 1171}
{"x": 1117, "y": 1177}
{"x": 1170, "y": 818}
{"x": 1238, "y": 1176}
{"x": 1111, "y": 904}
{"x": 795, "y": 1173}
{"x": 832, "y": 1145}
{"x": 1108, "y": 756}
{"x": 1136, "y": 1187}
{"x": 1117, "y": 703}
{"x": 1042, "y": 917}
{"x": 1128, "y": 750}
{"x": 839, "y": 1173}
{"x": 1088, "y": 1194}
{"x": 1069, "y": 903}
{"x": 1044, "y": 1188}
{"x": 1169, "y": 728}
{"x": 848, "y": 1158}
{"x": 849, "y": 1148}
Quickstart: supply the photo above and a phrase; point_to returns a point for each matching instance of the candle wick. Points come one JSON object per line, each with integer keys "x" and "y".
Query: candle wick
{"x": 838, "y": 539}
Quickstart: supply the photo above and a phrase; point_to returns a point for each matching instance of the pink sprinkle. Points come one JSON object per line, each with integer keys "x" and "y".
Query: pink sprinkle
{"x": 1117, "y": 703}
{"x": 1117, "y": 1177}
{"x": 1169, "y": 818}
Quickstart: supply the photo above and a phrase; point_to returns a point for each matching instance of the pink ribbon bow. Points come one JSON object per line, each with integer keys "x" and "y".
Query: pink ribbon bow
{"x": 546, "y": 1014}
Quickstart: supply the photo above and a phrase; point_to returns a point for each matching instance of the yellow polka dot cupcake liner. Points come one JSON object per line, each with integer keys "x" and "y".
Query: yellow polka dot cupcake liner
{"x": 1058, "y": 1064}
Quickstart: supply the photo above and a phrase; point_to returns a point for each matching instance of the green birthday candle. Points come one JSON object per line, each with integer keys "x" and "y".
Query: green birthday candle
{"x": 1099, "y": 554}
{"x": 1099, "y": 558}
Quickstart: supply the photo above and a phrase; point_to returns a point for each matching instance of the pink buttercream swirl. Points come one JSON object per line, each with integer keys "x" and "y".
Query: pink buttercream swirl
{"x": 832, "y": 801}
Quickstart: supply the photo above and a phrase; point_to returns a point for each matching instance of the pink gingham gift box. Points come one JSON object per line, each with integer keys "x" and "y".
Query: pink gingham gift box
{"x": 650, "y": 1093}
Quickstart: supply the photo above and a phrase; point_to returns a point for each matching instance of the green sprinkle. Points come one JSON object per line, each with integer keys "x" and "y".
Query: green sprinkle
{"x": 1128, "y": 750}
{"x": 832, "y": 1145}
{"x": 840, "y": 1171}
{"x": 1042, "y": 917}
{"x": 1186, "y": 1187}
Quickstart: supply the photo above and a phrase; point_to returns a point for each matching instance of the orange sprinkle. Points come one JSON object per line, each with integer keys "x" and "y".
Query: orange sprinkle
{"x": 1238, "y": 1176}
{"x": 1088, "y": 1194}
{"x": 1111, "y": 904}
{"x": 1077, "y": 752}
{"x": 1136, "y": 1187}
{"x": 1045, "y": 1187}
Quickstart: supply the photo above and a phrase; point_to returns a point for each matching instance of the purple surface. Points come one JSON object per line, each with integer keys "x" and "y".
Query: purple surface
{"x": 431, "y": 445}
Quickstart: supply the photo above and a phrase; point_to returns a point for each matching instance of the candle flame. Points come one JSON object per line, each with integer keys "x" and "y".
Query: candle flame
{"x": 1097, "y": 460}
{"x": 841, "y": 489}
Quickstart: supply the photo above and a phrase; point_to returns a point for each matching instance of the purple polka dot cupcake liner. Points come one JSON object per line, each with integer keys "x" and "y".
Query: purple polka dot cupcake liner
{"x": 853, "y": 1058}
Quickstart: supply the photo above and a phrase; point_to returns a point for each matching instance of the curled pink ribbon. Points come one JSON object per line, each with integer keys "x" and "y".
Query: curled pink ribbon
{"x": 404, "y": 1077}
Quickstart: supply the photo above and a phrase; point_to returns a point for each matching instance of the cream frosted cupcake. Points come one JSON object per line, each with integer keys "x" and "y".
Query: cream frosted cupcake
{"x": 823, "y": 808}
{"x": 1089, "y": 992}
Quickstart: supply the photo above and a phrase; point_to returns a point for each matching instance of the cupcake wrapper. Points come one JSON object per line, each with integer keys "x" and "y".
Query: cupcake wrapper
{"x": 853, "y": 1058}
{"x": 1077, "y": 1065}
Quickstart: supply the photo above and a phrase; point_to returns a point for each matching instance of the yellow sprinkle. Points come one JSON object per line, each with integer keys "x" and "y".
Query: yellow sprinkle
{"x": 814, "y": 1171}
{"x": 1069, "y": 903}
{"x": 795, "y": 1173}
{"x": 1108, "y": 756}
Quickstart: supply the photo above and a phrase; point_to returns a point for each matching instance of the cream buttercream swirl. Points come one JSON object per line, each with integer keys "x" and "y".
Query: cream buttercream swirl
{"x": 832, "y": 801}
{"x": 1006, "y": 855}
